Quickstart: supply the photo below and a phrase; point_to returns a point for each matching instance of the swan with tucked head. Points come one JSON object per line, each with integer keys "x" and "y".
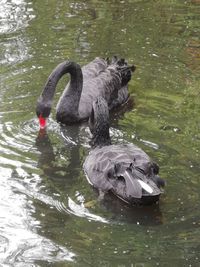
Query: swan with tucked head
{"x": 124, "y": 169}
{"x": 98, "y": 78}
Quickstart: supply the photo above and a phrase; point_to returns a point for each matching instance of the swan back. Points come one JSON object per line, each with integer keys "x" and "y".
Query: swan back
{"x": 106, "y": 79}
{"x": 124, "y": 169}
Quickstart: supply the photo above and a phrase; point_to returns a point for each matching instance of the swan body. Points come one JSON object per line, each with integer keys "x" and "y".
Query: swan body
{"x": 124, "y": 169}
{"x": 98, "y": 78}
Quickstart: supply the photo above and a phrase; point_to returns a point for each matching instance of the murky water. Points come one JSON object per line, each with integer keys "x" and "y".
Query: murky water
{"x": 49, "y": 214}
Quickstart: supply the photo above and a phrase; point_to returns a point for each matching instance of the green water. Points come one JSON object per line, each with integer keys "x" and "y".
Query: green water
{"x": 50, "y": 215}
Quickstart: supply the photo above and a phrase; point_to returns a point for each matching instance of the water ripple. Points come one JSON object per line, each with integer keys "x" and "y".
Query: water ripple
{"x": 19, "y": 185}
{"x": 14, "y": 15}
{"x": 18, "y": 236}
{"x": 81, "y": 211}
{"x": 71, "y": 208}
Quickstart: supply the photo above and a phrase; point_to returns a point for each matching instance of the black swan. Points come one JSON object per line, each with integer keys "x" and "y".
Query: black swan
{"x": 100, "y": 77}
{"x": 124, "y": 169}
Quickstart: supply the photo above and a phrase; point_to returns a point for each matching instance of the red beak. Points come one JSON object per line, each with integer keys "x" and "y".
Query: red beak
{"x": 43, "y": 122}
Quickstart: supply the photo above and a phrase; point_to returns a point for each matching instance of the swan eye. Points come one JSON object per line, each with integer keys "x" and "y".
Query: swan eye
{"x": 42, "y": 122}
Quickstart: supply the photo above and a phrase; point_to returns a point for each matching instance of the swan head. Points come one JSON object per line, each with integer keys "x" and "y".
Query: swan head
{"x": 99, "y": 123}
{"x": 43, "y": 110}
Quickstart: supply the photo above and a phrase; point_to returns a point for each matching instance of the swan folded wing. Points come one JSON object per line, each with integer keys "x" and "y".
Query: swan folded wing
{"x": 128, "y": 173}
{"x": 96, "y": 175}
{"x": 107, "y": 176}
{"x": 103, "y": 175}
{"x": 103, "y": 165}
{"x": 149, "y": 187}
{"x": 130, "y": 182}
{"x": 124, "y": 73}
{"x": 122, "y": 180}
{"x": 99, "y": 180}
{"x": 103, "y": 184}
{"x": 108, "y": 84}
{"x": 133, "y": 187}
{"x": 123, "y": 96}
{"x": 94, "y": 68}
{"x": 105, "y": 85}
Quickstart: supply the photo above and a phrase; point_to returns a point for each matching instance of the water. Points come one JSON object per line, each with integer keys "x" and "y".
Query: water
{"x": 50, "y": 216}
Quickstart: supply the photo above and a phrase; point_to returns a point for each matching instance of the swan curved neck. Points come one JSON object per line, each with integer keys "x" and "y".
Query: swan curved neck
{"x": 66, "y": 67}
{"x": 67, "y": 108}
{"x": 99, "y": 123}
{"x": 101, "y": 139}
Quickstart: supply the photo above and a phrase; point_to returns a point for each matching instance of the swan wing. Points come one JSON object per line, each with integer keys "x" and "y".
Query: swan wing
{"x": 109, "y": 80}
{"x": 96, "y": 174}
{"x": 148, "y": 185}
{"x": 133, "y": 187}
{"x": 94, "y": 68}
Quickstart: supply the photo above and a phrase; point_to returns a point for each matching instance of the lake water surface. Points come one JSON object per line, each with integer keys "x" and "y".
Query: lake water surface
{"x": 49, "y": 214}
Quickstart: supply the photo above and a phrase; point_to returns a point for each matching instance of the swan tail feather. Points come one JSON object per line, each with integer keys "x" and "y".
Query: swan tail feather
{"x": 148, "y": 184}
{"x": 118, "y": 61}
{"x": 133, "y": 187}
{"x": 123, "y": 68}
{"x": 126, "y": 73}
